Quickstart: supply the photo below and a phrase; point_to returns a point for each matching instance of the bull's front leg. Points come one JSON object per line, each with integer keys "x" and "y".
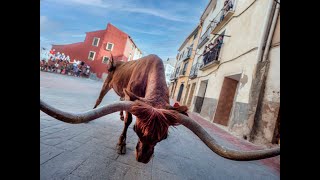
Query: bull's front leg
{"x": 121, "y": 115}
{"x": 121, "y": 146}
{"x": 121, "y": 112}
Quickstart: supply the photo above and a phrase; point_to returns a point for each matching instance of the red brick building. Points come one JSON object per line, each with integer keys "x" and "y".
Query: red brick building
{"x": 97, "y": 47}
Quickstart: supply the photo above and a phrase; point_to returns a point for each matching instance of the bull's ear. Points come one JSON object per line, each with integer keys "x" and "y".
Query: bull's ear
{"x": 180, "y": 109}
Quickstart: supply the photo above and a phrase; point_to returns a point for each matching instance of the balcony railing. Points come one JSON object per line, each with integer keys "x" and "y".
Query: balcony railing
{"x": 185, "y": 57}
{"x": 194, "y": 71}
{"x": 183, "y": 72}
{"x": 205, "y": 37}
{"x": 188, "y": 55}
{"x": 211, "y": 57}
{"x": 221, "y": 18}
{"x": 173, "y": 76}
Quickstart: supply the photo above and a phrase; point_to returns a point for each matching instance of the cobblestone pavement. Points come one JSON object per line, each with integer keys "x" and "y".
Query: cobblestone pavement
{"x": 87, "y": 151}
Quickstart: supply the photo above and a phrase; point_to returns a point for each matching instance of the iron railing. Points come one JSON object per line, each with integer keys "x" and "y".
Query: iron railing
{"x": 172, "y": 76}
{"x": 205, "y": 37}
{"x": 211, "y": 55}
{"x": 228, "y": 7}
{"x": 194, "y": 70}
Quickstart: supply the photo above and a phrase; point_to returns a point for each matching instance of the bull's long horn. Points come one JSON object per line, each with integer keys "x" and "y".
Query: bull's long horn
{"x": 223, "y": 151}
{"x": 74, "y": 118}
{"x": 184, "y": 120}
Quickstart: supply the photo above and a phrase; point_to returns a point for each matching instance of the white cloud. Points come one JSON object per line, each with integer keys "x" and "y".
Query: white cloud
{"x": 123, "y": 6}
{"x": 43, "y": 20}
{"x": 78, "y": 35}
{"x": 154, "y": 12}
{"x": 152, "y": 32}
{"x": 46, "y": 24}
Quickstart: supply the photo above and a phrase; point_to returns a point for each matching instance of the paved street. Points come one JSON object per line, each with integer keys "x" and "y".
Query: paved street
{"x": 87, "y": 151}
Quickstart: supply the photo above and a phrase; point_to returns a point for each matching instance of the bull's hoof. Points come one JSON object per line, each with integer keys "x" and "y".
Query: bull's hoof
{"x": 121, "y": 149}
{"x": 121, "y": 118}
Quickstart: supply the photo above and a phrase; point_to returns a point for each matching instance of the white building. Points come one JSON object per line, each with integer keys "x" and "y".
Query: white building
{"x": 169, "y": 68}
{"x": 44, "y": 54}
{"x": 137, "y": 54}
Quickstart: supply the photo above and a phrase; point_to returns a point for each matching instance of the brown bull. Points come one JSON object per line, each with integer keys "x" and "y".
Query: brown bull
{"x": 142, "y": 85}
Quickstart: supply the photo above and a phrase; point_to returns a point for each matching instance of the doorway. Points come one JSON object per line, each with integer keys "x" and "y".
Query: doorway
{"x": 226, "y": 100}
{"x": 172, "y": 90}
{"x": 180, "y": 92}
{"x": 186, "y": 95}
{"x": 200, "y": 97}
{"x": 191, "y": 94}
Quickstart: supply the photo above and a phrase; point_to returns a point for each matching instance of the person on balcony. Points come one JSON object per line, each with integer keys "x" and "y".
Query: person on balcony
{"x": 205, "y": 54}
{"x": 217, "y": 47}
{"x": 228, "y": 5}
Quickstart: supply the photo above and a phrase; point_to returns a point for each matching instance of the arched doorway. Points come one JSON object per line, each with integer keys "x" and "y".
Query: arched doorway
{"x": 180, "y": 92}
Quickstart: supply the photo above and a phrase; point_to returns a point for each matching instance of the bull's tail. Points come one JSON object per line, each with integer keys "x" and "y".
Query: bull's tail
{"x": 106, "y": 86}
{"x": 103, "y": 92}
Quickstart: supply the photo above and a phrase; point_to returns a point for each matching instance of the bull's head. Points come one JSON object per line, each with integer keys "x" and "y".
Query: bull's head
{"x": 152, "y": 126}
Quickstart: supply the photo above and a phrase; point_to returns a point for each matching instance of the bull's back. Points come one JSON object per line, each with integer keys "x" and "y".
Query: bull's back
{"x": 136, "y": 76}
{"x": 148, "y": 79}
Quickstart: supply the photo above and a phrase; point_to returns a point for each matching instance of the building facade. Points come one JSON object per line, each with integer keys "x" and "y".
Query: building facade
{"x": 179, "y": 87}
{"x": 97, "y": 48}
{"x": 137, "y": 54}
{"x": 235, "y": 78}
{"x": 169, "y": 69}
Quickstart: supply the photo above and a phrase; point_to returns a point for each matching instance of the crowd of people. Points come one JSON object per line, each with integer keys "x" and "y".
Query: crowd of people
{"x": 211, "y": 51}
{"x": 60, "y": 63}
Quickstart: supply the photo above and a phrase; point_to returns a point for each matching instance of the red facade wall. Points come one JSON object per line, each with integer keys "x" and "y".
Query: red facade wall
{"x": 80, "y": 51}
{"x": 96, "y": 65}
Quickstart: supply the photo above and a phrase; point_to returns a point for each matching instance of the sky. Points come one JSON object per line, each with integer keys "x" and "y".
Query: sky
{"x": 156, "y": 26}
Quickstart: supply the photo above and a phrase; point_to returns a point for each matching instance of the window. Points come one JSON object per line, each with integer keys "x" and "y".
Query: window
{"x": 129, "y": 57}
{"x": 185, "y": 68}
{"x": 132, "y": 46}
{"x": 95, "y": 41}
{"x": 91, "y": 55}
{"x": 195, "y": 35}
{"x": 177, "y": 71}
{"x": 190, "y": 50}
{"x": 109, "y": 46}
{"x": 105, "y": 59}
{"x": 215, "y": 47}
{"x": 181, "y": 55}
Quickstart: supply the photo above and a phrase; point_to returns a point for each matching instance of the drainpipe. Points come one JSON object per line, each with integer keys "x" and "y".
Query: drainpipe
{"x": 257, "y": 82}
{"x": 266, "y": 27}
{"x": 272, "y": 28}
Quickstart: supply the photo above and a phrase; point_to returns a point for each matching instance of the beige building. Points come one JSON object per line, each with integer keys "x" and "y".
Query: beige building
{"x": 235, "y": 76}
{"x": 179, "y": 79}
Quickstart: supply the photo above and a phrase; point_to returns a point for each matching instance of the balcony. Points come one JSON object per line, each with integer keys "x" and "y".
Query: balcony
{"x": 194, "y": 71}
{"x": 182, "y": 73}
{"x": 223, "y": 16}
{"x": 173, "y": 77}
{"x": 204, "y": 38}
{"x": 188, "y": 55}
{"x": 210, "y": 58}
